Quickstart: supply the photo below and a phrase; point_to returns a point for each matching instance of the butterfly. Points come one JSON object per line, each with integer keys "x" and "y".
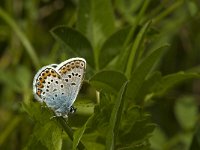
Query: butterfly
{"x": 57, "y": 85}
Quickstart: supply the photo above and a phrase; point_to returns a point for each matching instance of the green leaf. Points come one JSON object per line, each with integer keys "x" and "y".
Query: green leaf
{"x": 109, "y": 81}
{"x": 23, "y": 76}
{"x": 11, "y": 126}
{"x": 125, "y": 54}
{"x": 158, "y": 139}
{"x": 186, "y": 111}
{"x": 141, "y": 72}
{"x": 20, "y": 82}
{"x": 28, "y": 47}
{"x": 132, "y": 59}
{"x": 46, "y": 131}
{"x": 98, "y": 126}
{"x": 79, "y": 133}
{"x": 112, "y": 47}
{"x": 139, "y": 132}
{"x": 195, "y": 145}
{"x": 75, "y": 42}
{"x": 48, "y": 134}
{"x": 45, "y": 125}
{"x": 148, "y": 86}
{"x": 69, "y": 131}
{"x": 172, "y": 80}
{"x": 128, "y": 8}
{"x": 141, "y": 146}
{"x": 116, "y": 118}
{"x": 95, "y": 20}
{"x": 7, "y": 78}
{"x": 130, "y": 116}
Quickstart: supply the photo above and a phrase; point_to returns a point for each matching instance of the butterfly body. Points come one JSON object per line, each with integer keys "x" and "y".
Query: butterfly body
{"x": 58, "y": 85}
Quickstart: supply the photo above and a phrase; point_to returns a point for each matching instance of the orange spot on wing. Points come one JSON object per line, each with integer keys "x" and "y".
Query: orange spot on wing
{"x": 39, "y": 92}
{"x": 40, "y": 85}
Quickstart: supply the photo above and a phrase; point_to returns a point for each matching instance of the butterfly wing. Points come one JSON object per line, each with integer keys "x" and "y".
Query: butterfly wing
{"x": 48, "y": 87}
{"x": 58, "y": 85}
{"x": 72, "y": 73}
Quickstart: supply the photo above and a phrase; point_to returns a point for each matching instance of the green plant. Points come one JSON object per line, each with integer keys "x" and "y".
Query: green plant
{"x": 126, "y": 78}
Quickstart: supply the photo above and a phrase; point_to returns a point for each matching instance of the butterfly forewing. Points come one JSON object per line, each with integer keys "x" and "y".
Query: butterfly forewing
{"x": 72, "y": 72}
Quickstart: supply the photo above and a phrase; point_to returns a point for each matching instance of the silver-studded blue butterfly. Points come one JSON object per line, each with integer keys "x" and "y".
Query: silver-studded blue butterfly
{"x": 58, "y": 85}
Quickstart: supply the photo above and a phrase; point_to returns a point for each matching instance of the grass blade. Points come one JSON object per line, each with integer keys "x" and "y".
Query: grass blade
{"x": 116, "y": 118}
{"x": 141, "y": 72}
{"x": 30, "y": 50}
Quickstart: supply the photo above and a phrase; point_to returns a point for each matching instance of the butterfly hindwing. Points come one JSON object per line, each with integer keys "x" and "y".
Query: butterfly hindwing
{"x": 49, "y": 87}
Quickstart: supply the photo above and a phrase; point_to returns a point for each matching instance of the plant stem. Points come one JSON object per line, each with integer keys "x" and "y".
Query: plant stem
{"x": 69, "y": 131}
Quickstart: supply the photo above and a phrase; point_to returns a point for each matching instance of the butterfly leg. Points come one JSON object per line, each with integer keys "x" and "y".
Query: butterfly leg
{"x": 53, "y": 117}
{"x": 57, "y": 115}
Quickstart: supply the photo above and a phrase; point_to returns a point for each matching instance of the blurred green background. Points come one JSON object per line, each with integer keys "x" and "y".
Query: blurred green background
{"x": 26, "y": 44}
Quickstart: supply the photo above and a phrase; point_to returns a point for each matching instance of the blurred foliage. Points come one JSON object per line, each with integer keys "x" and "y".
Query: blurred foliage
{"x": 142, "y": 83}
